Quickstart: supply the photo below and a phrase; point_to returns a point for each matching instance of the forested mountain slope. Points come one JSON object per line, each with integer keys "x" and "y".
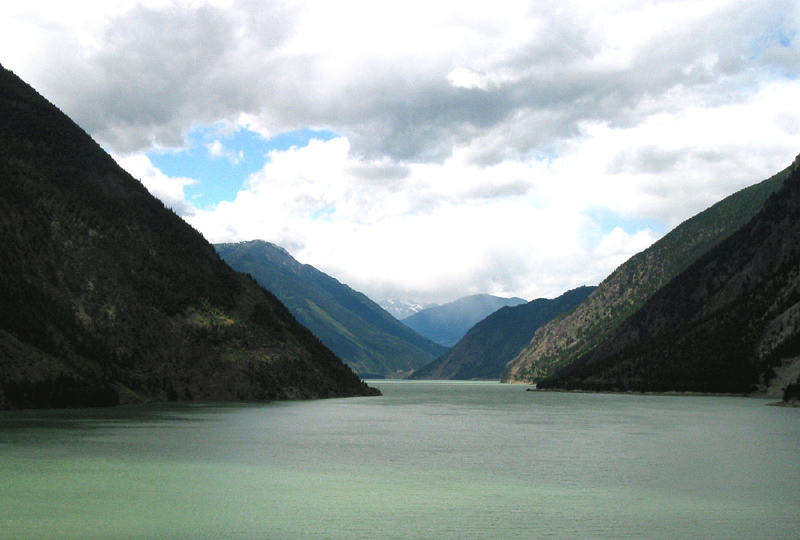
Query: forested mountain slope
{"x": 363, "y": 334}
{"x": 725, "y": 324}
{"x": 106, "y": 296}
{"x": 567, "y": 338}
{"x": 489, "y": 345}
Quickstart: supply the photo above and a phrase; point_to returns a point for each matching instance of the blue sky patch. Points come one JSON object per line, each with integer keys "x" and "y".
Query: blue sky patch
{"x": 221, "y": 161}
{"x": 779, "y": 35}
{"x": 608, "y": 220}
{"x": 323, "y": 214}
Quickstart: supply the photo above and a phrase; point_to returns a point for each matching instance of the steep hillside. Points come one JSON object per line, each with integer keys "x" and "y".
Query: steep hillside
{"x": 489, "y": 345}
{"x": 448, "y": 323}
{"x": 106, "y": 296}
{"x": 567, "y": 338}
{"x": 364, "y": 335}
{"x": 725, "y": 324}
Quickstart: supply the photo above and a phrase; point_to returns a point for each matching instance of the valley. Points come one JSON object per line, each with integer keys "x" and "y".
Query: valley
{"x": 109, "y": 297}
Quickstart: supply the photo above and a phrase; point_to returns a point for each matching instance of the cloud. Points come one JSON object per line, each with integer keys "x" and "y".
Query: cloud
{"x": 472, "y": 145}
{"x": 436, "y": 230}
{"x": 464, "y": 78}
{"x": 216, "y": 149}
{"x": 409, "y": 80}
{"x": 169, "y": 189}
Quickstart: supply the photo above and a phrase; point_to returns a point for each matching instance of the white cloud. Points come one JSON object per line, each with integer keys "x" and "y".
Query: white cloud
{"x": 474, "y": 139}
{"x": 436, "y": 230}
{"x": 617, "y": 247}
{"x": 169, "y": 190}
{"x": 465, "y": 78}
{"x": 216, "y": 149}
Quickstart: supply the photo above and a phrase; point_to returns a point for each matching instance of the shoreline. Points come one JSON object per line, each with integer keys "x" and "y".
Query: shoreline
{"x": 755, "y": 395}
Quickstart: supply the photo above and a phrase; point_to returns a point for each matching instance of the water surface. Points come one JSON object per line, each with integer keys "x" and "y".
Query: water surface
{"x": 427, "y": 460}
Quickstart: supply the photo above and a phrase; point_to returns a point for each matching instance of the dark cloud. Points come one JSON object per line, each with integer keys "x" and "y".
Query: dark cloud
{"x": 507, "y": 189}
{"x": 646, "y": 159}
{"x": 158, "y": 71}
{"x": 384, "y": 174}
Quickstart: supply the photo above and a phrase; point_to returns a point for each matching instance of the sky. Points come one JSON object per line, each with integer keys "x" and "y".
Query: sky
{"x": 428, "y": 150}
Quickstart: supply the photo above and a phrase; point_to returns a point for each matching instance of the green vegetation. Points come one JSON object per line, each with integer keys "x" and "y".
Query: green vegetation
{"x": 107, "y": 296}
{"x": 574, "y": 335}
{"x": 365, "y": 336}
{"x": 792, "y": 392}
{"x": 722, "y": 325}
{"x": 489, "y": 345}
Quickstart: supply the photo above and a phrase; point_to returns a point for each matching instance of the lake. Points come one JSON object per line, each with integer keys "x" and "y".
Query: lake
{"x": 438, "y": 460}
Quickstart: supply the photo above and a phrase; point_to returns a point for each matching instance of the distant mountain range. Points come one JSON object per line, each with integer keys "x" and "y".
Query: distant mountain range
{"x": 447, "y": 324}
{"x": 364, "y": 335}
{"x": 400, "y": 309}
{"x": 108, "y": 297}
{"x": 496, "y": 340}
{"x": 712, "y": 307}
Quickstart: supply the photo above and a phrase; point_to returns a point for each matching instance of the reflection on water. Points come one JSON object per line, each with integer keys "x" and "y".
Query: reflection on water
{"x": 426, "y": 460}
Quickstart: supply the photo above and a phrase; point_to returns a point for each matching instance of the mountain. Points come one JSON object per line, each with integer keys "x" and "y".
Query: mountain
{"x": 364, "y": 335}
{"x": 108, "y": 297}
{"x": 569, "y": 337}
{"x": 728, "y": 323}
{"x": 400, "y": 309}
{"x": 496, "y": 340}
{"x": 448, "y": 323}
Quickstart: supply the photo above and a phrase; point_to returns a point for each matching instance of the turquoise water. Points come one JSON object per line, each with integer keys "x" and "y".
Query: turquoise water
{"x": 426, "y": 460}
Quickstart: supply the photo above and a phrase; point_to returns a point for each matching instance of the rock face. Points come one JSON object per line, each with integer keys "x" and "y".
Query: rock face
{"x": 489, "y": 345}
{"x": 568, "y": 338}
{"x": 372, "y": 342}
{"x": 725, "y": 324}
{"x": 107, "y": 297}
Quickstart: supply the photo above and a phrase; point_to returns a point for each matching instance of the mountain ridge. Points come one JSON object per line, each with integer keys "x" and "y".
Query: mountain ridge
{"x": 725, "y": 324}
{"x": 567, "y": 338}
{"x": 364, "y": 335}
{"x": 107, "y": 296}
{"x": 488, "y": 346}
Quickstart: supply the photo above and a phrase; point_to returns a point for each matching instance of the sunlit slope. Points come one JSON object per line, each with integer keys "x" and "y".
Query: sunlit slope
{"x": 727, "y": 323}
{"x": 567, "y": 338}
{"x": 363, "y": 334}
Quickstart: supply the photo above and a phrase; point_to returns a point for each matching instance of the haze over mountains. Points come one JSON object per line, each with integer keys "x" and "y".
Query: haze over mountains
{"x": 365, "y": 336}
{"x": 494, "y": 341}
{"x": 711, "y": 307}
{"x": 446, "y": 324}
{"x": 108, "y": 297}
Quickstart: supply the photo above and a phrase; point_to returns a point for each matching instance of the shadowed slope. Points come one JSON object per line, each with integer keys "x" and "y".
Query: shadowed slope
{"x": 106, "y": 296}
{"x": 496, "y": 340}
